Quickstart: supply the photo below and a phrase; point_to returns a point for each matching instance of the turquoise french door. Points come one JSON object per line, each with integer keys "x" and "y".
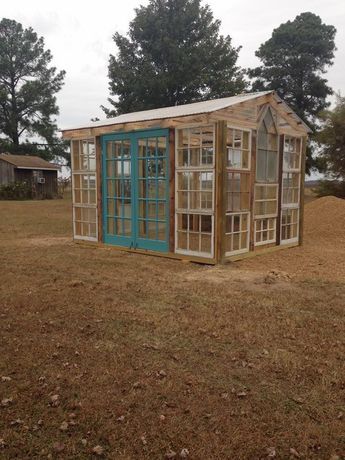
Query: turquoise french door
{"x": 136, "y": 189}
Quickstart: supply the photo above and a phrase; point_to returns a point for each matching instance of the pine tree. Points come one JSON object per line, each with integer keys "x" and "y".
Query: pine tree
{"x": 28, "y": 85}
{"x": 173, "y": 54}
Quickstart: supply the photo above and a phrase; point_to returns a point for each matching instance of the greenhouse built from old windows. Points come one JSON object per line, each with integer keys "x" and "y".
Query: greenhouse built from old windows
{"x": 210, "y": 181}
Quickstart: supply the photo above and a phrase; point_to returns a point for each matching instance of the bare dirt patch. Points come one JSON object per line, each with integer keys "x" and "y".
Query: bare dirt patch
{"x": 106, "y": 354}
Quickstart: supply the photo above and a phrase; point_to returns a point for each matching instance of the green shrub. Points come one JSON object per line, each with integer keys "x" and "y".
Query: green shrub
{"x": 16, "y": 191}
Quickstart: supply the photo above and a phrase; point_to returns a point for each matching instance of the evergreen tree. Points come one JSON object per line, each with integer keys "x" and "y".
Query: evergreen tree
{"x": 173, "y": 54}
{"x": 28, "y": 85}
{"x": 331, "y": 159}
{"x": 294, "y": 61}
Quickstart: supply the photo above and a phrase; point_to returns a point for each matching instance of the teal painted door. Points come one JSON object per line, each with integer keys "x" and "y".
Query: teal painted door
{"x": 136, "y": 189}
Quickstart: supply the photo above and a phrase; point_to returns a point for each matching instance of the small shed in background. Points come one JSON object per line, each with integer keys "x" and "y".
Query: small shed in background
{"x": 39, "y": 174}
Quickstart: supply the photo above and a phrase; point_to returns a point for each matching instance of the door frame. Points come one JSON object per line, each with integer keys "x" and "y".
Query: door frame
{"x": 134, "y": 241}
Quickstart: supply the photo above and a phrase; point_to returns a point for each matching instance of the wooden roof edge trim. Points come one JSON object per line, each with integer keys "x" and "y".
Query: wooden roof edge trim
{"x": 38, "y": 168}
{"x": 291, "y": 118}
{"x": 291, "y": 113}
{"x": 84, "y": 133}
{"x": 156, "y": 119}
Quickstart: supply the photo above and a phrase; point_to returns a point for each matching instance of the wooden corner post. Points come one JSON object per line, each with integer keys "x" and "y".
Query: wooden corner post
{"x": 301, "y": 195}
{"x": 172, "y": 190}
{"x": 99, "y": 188}
{"x": 220, "y": 172}
{"x": 252, "y": 190}
{"x": 280, "y": 186}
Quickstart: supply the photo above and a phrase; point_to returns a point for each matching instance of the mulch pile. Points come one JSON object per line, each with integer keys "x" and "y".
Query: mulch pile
{"x": 322, "y": 255}
{"x": 325, "y": 220}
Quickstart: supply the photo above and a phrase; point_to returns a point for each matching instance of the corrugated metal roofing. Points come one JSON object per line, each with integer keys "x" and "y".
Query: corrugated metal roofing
{"x": 27, "y": 162}
{"x": 196, "y": 108}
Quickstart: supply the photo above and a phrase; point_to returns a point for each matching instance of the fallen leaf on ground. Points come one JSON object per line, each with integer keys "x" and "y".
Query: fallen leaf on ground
{"x": 271, "y": 452}
{"x": 64, "y": 426}
{"x": 6, "y": 402}
{"x": 294, "y": 453}
{"x": 98, "y": 450}
{"x": 59, "y": 446}
{"x": 55, "y": 400}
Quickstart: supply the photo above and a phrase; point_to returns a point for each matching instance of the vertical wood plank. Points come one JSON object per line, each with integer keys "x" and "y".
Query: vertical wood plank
{"x": 280, "y": 185}
{"x": 302, "y": 182}
{"x": 220, "y": 171}
{"x": 172, "y": 190}
{"x": 99, "y": 187}
{"x": 252, "y": 189}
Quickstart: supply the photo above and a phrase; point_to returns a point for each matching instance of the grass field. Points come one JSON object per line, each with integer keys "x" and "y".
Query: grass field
{"x": 122, "y": 356}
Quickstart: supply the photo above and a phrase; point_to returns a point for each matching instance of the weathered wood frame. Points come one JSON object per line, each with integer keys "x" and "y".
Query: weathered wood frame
{"x": 243, "y": 116}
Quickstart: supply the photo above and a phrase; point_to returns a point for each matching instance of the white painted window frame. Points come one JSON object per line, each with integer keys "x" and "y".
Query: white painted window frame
{"x": 81, "y": 205}
{"x": 239, "y": 171}
{"x": 233, "y": 127}
{"x": 264, "y": 216}
{"x": 290, "y": 240}
{"x": 286, "y": 206}
{"x": 246, "y": 249}
{"x": 261, "y": 243}
{"x": 203, "y": 168}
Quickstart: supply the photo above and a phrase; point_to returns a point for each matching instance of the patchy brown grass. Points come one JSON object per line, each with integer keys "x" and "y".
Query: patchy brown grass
{"x": 149, "y": 355}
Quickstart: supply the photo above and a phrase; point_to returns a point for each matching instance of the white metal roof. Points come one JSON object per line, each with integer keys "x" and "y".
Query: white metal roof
{"x": 174, "y": 111}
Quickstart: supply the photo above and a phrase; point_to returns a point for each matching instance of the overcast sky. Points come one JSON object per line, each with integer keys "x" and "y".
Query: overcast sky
{"x": 79, "y": 35}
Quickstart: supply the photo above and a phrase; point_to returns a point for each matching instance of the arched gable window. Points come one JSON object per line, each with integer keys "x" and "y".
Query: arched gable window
{"x": 267, "y": 151}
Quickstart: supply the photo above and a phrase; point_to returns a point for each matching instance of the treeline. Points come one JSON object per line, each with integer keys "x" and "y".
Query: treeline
{"x": 174, "y": 53}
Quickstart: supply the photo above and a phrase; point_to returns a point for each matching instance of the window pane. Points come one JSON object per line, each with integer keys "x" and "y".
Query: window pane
{"x": 261, "y": 165}
{"x": 272, "y": 166}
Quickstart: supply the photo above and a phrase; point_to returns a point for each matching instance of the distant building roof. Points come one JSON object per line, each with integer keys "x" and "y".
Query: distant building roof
{"x": 28, "y": 162}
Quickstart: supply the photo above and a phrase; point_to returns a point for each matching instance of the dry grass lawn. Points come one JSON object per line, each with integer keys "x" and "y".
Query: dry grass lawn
{"x": 122, "y": 356}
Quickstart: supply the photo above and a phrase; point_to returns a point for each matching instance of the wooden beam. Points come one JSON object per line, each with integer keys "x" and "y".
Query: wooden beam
{"x": 252, "y": 190}
{"x": 280, "y": 185}
{"x": 99, "y": 187}
{"x": 172, "y": 190}
{"x": 302, "y": 183}
{"x": 93, "y": 131}
{"x": 220, "y": 171}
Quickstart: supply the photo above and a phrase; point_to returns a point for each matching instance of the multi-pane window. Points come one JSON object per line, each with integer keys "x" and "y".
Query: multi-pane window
{"x": 236, "y": 233}
{"x": 195, "y": 147}
{"x": 237, "y": 187}
{"x": 289, "y": 224}
{"x": 266, "y": 187}
{"x": 194, "y": 233}
{"x": 290, "y": 188}
{"x": 292, "y": 153}
{"x": 84, "y": 189}
{"x": 265, "y": 231}
{"x": 237, "y": 191}
{"x": 195, "y": 190}
{"x": 290, "y": 198}
{"x": 238, "y": 148}
{"x": 267, "y": 151}
{"x": 266, "y": 200}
